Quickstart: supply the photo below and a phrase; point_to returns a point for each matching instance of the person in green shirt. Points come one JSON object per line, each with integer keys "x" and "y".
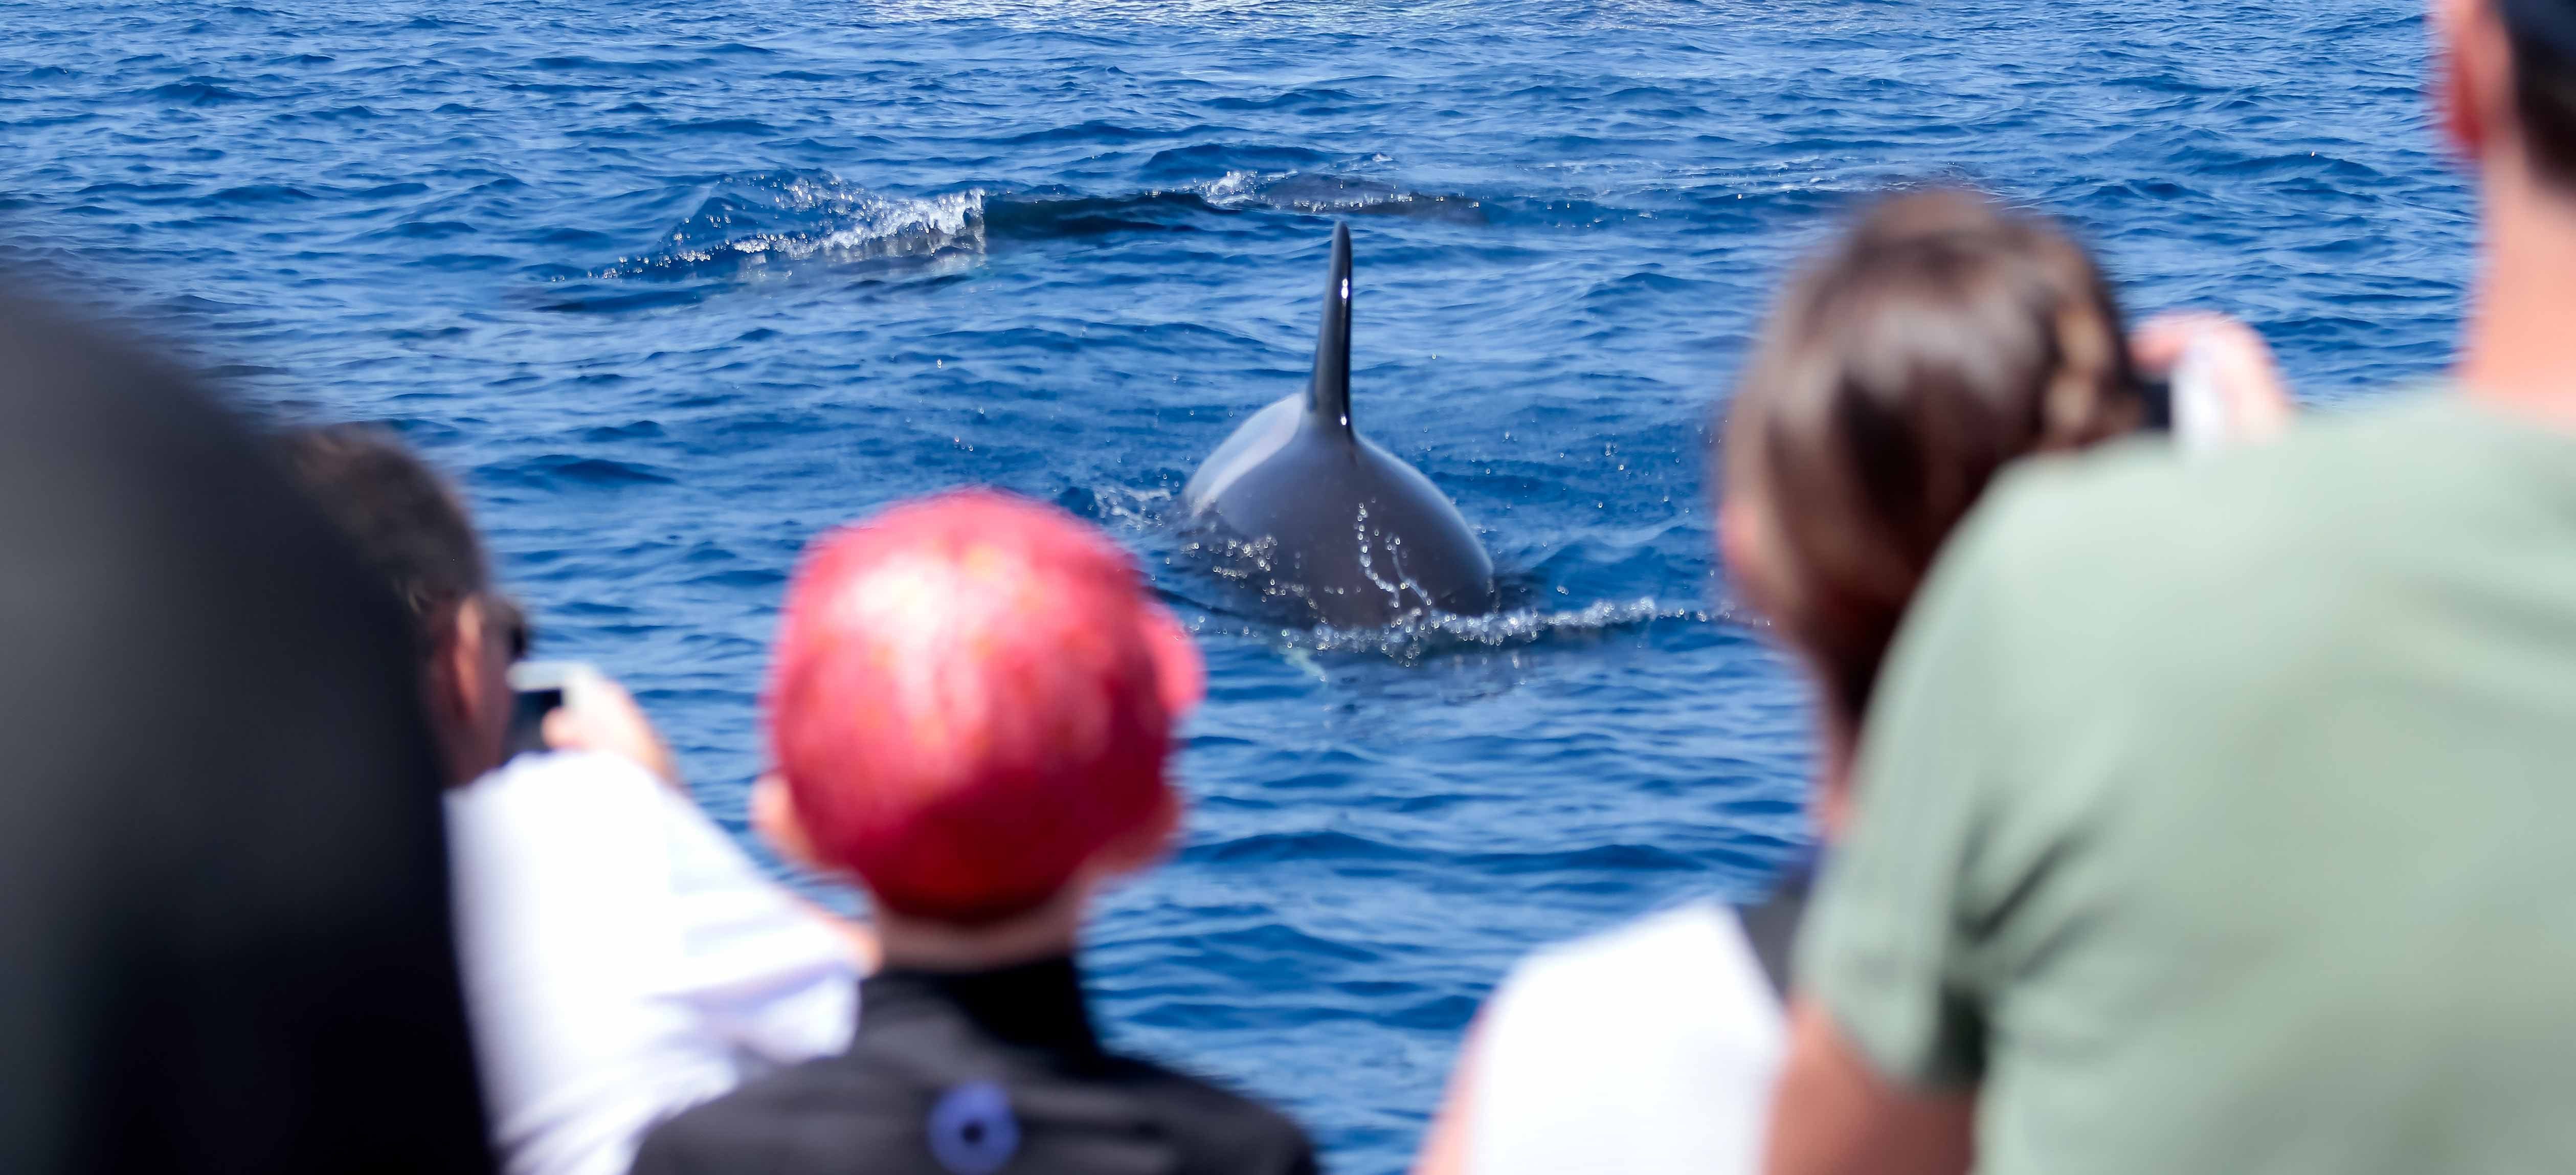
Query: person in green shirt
{"x": 2219, "y": 814}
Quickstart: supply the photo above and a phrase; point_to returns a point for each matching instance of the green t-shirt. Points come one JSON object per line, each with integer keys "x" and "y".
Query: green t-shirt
{"x": 2220, "y": 815}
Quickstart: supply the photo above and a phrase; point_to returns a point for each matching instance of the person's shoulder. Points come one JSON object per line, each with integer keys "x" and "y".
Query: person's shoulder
{"x": 2069, "y": 530}
{"x": 578, "y": 822}
{"x": 2145, "y": 488}
{"x": 565, "y": 779}
{"x": 589, "y": 821}
{"x": 1680, "y": 983}
{"x": 1692, "y": 931}
{"x": 1649, "y": 1047}
{"x": 789, "y": 1121}
{"x": 1123, "y": 1114}
{"x": 1219, "y": 1129}
{"x": 1679, "y": 957}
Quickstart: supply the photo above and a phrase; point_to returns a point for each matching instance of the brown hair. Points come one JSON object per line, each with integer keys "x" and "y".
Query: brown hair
{"x": 1943, "y": 338}
{"x": 401, "y": 517}
{"x": 2543, "y": 33}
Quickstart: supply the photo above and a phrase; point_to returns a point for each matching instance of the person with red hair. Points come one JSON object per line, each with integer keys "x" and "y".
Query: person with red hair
{"x": 972, "y": 708}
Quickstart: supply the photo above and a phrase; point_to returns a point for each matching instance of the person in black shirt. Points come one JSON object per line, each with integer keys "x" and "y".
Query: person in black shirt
{"x": 971, "y": 709}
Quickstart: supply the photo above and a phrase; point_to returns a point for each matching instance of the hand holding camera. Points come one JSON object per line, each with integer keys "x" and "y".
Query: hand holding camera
{"x": 2226, "y": 389}
{"x": 572, "y": 706}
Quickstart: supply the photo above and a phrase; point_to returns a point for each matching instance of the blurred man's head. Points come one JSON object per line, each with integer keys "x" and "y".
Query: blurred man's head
{"x": 971, "y": 708}
{"x": 2509, "y": 88}
{"x": 2505, "y": 85}
{"x": 411, "y": 528}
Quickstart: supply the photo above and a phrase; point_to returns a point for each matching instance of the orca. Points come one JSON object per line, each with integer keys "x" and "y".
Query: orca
{"x": 1320, "y": 519}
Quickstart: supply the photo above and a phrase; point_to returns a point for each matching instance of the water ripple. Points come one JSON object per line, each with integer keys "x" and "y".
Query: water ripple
{"x": 675, "y": 287}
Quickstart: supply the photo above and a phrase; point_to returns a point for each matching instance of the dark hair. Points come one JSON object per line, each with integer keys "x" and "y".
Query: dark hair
{"x": 1942, "y": 339}
{"x": 403, "y": 519}
{"x": 227, "y": 909}
{"x": 2544, "y": 81}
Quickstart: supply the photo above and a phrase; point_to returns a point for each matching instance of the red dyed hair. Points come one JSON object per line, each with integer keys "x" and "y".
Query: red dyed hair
{"x": 973, "y": 695}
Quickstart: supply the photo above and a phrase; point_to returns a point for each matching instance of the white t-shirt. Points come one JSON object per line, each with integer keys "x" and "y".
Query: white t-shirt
{"x": 1647, "y": 1050}
{"x": 623, "y": 959}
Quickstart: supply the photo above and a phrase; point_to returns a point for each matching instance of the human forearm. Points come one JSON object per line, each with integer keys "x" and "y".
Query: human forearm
{"x": 1835, "y": 1114}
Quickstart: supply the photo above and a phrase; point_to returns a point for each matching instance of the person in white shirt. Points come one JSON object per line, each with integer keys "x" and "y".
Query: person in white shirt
{"x": 1943, "y": 338}
{"x": 1650, "y": 1048}
{"x": 623, "y": 959}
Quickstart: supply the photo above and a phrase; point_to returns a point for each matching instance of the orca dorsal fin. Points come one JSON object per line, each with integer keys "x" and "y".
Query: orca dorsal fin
{"x": 1328, "y": 393}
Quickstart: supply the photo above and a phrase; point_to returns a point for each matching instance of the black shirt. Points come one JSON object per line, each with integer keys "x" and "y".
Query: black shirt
{"x": 983, "y": 1073}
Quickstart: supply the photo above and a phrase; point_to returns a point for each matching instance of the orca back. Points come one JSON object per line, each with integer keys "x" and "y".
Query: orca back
{"x": 1324, "y": 520}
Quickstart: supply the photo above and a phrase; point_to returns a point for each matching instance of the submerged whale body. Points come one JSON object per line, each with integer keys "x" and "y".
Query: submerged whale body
{"x": 1322, "y": 520}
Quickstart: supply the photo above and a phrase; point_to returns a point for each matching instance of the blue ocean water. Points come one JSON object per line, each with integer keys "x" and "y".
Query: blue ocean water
{"x": 673, "y": 286}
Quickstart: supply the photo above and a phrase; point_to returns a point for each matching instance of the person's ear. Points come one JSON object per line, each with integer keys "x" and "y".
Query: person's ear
{"x": 1144, "y": 846}
{"x": 2458, "y": 115}
{"x": 2473, "y": 72}
{"x": 774, "y": 817}
{"x": 447, "y": 665}
{"x": 1746, "y": 556}
{"x": 469, "y": 701}
{"x": 450, "y": 686}
{"x": 468, "y": 647}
